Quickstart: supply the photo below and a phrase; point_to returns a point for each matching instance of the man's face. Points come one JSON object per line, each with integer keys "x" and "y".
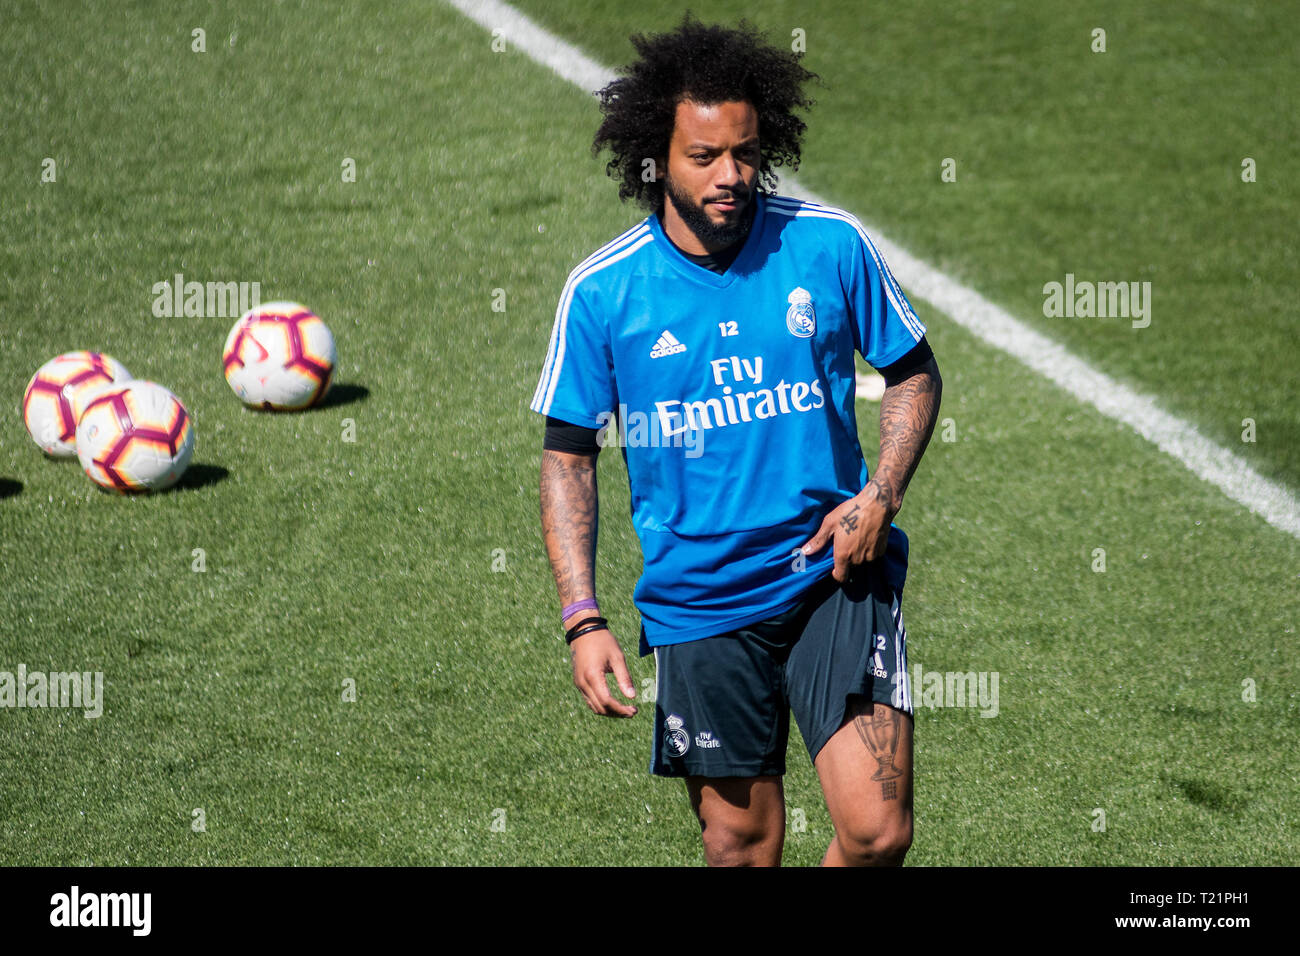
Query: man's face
{"x": 712, "y": 169}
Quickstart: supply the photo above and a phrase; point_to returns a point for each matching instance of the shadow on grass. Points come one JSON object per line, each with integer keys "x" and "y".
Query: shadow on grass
{"x": 343, "y": 395}
{"x": 200, "y": 476}
{"x": 9, "y": 487}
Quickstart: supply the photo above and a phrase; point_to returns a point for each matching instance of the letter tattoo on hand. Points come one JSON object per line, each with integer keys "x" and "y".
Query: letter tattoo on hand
{"x": 849, "y": 520}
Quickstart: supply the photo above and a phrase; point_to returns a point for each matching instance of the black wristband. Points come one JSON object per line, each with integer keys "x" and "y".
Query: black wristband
{"x": 593, "y": 627}
{"x": 598, "y": 623}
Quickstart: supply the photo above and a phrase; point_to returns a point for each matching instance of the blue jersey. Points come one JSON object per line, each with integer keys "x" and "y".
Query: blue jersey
{"x": 732, "y": 399}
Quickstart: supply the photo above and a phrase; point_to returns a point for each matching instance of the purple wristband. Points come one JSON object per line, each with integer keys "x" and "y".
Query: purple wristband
{"x": 587, "y": 604}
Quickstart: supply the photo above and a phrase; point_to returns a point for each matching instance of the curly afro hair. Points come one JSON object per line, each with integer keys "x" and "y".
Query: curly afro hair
{"x": 704, "y": 64}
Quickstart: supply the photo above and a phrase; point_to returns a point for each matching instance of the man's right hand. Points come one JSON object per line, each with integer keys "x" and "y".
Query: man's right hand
{"x": 594, "y": 655}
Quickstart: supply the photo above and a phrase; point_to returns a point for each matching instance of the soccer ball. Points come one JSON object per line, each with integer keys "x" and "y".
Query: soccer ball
{"x": 134, "y": 437}
{"x": 51, "y": 403}
{"x": 280, "y": 356}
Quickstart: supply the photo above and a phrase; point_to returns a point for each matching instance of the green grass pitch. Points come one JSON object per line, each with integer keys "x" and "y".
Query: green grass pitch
{"x": 410, "y": 560}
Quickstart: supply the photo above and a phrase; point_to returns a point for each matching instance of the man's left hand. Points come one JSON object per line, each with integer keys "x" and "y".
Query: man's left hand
{"x": 859, "y": 529}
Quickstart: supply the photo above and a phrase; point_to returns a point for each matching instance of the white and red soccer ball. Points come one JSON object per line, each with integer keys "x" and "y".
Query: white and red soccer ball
{"x": 54, "y": 396}
{"x": 280, "y": 356}
{"x": 134, "y": 437}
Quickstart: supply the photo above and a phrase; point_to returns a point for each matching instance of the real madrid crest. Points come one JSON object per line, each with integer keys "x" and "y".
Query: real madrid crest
{"x": 800, "y": 318}
{"x": 676, "y": 740}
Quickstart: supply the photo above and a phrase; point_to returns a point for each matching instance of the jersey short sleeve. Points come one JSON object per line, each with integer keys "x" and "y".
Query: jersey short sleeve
{"x": 884, "y": 326}
{"x": 577, "y": 382}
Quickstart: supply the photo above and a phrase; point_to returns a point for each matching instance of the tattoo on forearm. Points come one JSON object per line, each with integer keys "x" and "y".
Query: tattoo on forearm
{"x": 569, "y": 522}
{"x": 881, "y": 729}
{"x": 907, "y": 415}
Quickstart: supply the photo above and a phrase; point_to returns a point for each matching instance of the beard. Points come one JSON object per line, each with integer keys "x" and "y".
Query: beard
{"x": 697, "y": 218}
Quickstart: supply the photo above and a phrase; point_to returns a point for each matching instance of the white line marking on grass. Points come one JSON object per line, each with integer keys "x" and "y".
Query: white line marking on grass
{"x": 537, "y": 42}
{"x": 993, "y": 324}
{"x": 868, "y": 386}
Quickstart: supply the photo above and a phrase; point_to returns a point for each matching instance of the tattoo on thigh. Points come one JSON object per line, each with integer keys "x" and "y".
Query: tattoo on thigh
{"x": 881, "y": 730}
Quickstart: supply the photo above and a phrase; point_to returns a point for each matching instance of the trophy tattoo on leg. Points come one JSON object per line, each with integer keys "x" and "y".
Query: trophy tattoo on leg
{"x": 880, "y": 730}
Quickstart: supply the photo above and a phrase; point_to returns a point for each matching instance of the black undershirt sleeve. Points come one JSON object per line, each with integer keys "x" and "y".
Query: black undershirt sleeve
{"x": 567, "y": 437}
{"x": 909, "y": 363}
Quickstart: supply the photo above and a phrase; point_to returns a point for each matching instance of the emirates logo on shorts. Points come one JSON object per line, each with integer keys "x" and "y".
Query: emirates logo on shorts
{"x": 676, "y": 740}
{"x": 706, "y": 741}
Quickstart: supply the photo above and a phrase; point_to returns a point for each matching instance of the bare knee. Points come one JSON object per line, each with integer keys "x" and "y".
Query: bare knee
{"x": 742, "y": 819}
{"x": 741, "y": 842}
{"x": 864, "y": 843}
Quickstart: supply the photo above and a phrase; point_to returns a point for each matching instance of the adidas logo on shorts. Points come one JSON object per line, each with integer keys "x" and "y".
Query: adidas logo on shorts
{"x": 666, "y": 345}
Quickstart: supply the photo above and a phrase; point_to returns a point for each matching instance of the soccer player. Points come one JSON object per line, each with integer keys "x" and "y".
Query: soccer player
{"x": 713, "y": 342}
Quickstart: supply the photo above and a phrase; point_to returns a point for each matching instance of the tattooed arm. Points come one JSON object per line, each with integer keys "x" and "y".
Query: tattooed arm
{"x": 908, "y": 412}
{"x": 860, "y": 526}
{"x": 569, "y": 522}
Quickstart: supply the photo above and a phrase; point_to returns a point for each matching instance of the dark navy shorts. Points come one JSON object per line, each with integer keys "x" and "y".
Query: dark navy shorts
{"x": 723, "y": 704}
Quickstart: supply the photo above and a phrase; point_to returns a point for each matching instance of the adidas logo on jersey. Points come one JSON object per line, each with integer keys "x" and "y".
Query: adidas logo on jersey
{"x": 666, "y": 345}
